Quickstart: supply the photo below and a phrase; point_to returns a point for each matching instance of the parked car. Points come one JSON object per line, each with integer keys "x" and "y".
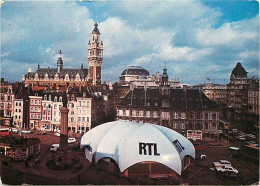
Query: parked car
{"x": 71, "y": 140}
{"x": 234, "y": 151}
{"x": 15, "y": 130}
{"x": 252, "y": 143}
{"x": 221, "y": 163}
{"x": 54, "y": 147}
{"x": 226, "y": 168}
{"x": 241, "y": 138}
{"x": 26, "y": 131}
{"x": 242, "y": 134}
{"x": 250, "y": 136}
{"x": 229, "y": 174}
{"x": 56, "y": 134}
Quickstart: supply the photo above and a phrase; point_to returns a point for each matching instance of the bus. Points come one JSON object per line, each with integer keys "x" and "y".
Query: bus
{"x": 194, "y": 134}
{"x": 4, "y": 132}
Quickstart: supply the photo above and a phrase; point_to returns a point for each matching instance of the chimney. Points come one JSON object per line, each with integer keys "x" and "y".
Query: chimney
{"x": 185, "y": 88}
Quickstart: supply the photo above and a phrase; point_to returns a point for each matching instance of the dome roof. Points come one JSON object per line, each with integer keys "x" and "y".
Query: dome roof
{"x": 135, "y": 70}
{"x": 239, "y": 71}
{"x": 128, "y": 143}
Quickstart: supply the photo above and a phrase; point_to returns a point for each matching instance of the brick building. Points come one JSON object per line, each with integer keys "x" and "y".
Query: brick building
{"x": 35, "y": 111}
{"x": 178, "y": 109}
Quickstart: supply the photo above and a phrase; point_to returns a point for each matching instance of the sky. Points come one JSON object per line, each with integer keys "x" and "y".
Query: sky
{"x": 196, "y": 40}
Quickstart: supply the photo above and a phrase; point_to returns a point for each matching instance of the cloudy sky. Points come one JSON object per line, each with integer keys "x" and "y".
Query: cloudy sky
{"x": 195, "y": 39}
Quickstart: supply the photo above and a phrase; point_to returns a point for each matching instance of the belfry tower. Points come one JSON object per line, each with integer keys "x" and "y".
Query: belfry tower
{"x": 59, "y": 62}
{"x": 95, "y": 57}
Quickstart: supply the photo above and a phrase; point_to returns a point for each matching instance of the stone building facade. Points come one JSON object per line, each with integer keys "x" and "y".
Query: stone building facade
{"x": 61, "y": 76}
{"x": 86, "y": 109}
{"x": 18, "y": 119}
{"x": 216, "y": 92}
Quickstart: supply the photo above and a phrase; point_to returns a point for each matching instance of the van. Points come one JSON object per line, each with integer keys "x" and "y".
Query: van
{"x": 54, "y": 147}
{"x": 71, "y": 140}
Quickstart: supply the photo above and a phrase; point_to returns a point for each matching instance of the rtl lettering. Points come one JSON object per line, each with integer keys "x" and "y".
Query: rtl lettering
{"x": 148, "y": 148}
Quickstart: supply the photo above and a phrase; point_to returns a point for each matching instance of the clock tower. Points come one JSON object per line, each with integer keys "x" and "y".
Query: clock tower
{"x": 95, "y": 57}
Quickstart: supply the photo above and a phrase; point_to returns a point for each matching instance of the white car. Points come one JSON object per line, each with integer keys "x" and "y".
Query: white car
{"x": 241, "y": 138}
{"x": 54, "y": 147}
{"x": 15, "y": 130}
{"x": 71, "y": 140}
{"x": 56, "y": 134}
{"x": 221, "y": 163}
{"x": 26, "y": 131}
{"x": 226, "y": 168}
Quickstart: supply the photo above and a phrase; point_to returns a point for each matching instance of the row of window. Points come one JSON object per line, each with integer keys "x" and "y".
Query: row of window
{"x": 84, "y": 103}
{"x": 35, "y": 109}
{"x": 17, "y": 116}
{"x": 93, "y": 53}
{"x": 55, "y": 98}
{"x": 166, "y": 115}
{"x": 18, "y": 110}
{"x": 35, "y": 116}
{"x": 49, "y": 106}
{"x": 197, "y": 126}
{"x": 49, "y": 112}
{"x": 35, "y": 102}
{"x": 18, "y": 104}
{"x": 81, "y": 111}
{"x": 48, "y": 118}
{"x": 81, "y": 119}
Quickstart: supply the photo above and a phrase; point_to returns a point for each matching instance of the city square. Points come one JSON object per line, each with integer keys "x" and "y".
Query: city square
{"x": 119, "y": 94}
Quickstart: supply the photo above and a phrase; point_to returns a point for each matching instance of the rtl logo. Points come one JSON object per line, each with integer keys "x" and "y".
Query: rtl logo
{"x": 151, "y": 148}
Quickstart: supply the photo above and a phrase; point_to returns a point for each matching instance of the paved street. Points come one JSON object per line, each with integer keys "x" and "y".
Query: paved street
{"x": 200, "y": 172}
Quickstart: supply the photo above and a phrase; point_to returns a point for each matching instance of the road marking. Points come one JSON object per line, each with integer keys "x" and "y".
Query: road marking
{"x": 194, "y": 173}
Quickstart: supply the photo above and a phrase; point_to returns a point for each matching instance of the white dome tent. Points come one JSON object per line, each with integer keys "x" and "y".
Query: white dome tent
{"x": 129, "y": 143}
